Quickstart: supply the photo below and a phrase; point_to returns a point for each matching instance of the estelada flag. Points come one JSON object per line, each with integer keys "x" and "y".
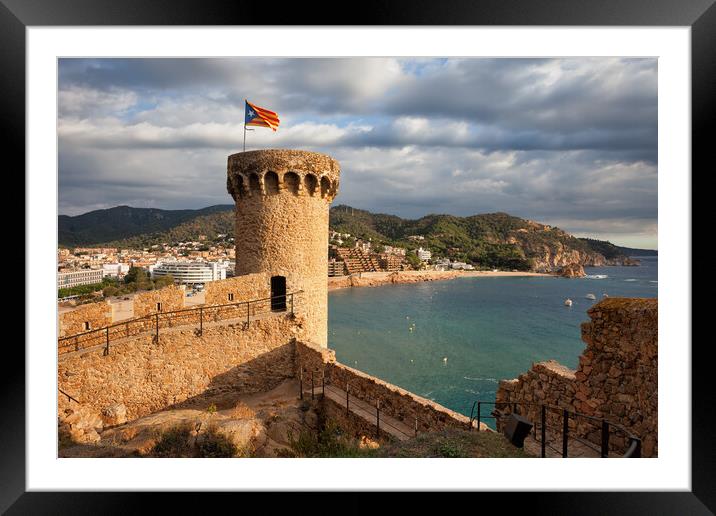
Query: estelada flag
{"x": 260, "y": 117}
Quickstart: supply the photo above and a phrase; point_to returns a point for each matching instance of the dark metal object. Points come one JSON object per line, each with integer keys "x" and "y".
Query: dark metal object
{"x": 69, "y": 398}
{"x": 634, "y": 450}
{"x": 106, "y": 347}
{"x": 201, "y": 320}
{"x": 605, "y": 439}
{"x": 95, "y": 337}
{"x": 565, "y": 431}
{"x": 300, "y": 383}
{"x": 377, "y": 419}
{"x": 516, "y": 429}
{"x": 543, "y": 425}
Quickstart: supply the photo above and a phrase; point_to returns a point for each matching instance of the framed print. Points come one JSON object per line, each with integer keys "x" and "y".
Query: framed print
{"x": 409, "y": 251}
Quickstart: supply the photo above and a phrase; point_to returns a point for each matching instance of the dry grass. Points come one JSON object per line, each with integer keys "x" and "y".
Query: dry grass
{"x": 243, "y": 411}
{"x": 454, "y": 443}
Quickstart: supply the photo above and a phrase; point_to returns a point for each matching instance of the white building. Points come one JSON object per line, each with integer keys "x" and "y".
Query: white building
{"x": 423, "y": 254}
{"x": 79, "y": 277}
{"x": 190, "y": 273}
{"x": 115, "y": 270}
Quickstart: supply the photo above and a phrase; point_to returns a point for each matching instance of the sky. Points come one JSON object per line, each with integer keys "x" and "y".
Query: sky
{"x": 567, "y": 142}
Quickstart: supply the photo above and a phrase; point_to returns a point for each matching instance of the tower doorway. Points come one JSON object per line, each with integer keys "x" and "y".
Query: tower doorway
{"x": 278, "y": 293}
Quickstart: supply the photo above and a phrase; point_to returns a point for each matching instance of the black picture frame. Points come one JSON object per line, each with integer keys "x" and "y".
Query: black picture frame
{"x": 700, "y": 15}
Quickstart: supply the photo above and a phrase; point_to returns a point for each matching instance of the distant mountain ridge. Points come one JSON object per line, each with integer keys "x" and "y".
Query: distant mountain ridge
{"x": 121, "y": 222}
{"x": 492, "y": 239}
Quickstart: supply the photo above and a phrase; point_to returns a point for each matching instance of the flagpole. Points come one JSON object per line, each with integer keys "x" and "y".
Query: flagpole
{"x": 244, "y": 136}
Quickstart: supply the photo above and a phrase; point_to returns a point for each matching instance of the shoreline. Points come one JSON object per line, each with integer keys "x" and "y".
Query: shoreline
{"x": 375, "y": 279}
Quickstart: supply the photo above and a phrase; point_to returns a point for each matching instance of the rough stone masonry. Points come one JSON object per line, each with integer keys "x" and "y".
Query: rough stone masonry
{"x": 282, "y": 199}
{"x": 616, "y": 378}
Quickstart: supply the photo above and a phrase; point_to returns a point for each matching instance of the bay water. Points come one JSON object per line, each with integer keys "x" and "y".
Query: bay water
{"x": 452, "y": 341}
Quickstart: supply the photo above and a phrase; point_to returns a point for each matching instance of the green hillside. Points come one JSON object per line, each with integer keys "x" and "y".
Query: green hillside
{"x": 488, "y": 240}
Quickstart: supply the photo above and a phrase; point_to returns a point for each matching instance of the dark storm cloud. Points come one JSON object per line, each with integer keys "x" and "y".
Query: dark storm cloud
{"x": 568, "y": 140}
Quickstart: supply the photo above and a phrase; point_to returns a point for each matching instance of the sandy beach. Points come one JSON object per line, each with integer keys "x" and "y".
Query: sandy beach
{"x": 374, "y": 279}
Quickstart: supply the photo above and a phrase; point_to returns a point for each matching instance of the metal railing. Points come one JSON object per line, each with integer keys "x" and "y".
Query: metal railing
{"x": 69, "y": 398}
{"x": 633, "y": 449}
{"x": 154, "y": 322}
{"x": 371, "y": 406}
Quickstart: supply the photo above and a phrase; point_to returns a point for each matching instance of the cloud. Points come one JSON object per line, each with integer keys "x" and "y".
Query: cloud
{"x": 570, "y": 140}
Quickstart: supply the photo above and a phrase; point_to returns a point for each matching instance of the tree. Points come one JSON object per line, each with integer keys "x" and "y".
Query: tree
{"x": 110, "y": 291}
{"x": 164, "y": 281}
{"x": 138, "y": 276}
{"x": 413, "y": 260}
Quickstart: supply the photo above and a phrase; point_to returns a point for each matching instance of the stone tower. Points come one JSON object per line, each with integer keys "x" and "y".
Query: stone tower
{"x": 282, "y": 199}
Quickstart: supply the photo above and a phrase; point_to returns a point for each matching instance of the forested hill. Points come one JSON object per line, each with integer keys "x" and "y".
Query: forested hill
{"x": 122, "y": 222}
{"x": 497, "y": 239}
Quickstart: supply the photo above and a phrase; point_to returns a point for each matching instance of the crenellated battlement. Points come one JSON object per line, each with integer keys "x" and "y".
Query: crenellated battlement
{"x": 273, "y": 171}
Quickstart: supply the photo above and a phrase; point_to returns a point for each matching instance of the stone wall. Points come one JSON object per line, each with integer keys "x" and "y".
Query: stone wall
{"x": 282, "y": 199}
{"x": 394, "y": 401}
{"x": 171, "y": 298}
{"x": 147, "y": 377}
{"x": 616, "y": 378}
{"x": 244, "y": 288}
{"x": 96, "y": 315}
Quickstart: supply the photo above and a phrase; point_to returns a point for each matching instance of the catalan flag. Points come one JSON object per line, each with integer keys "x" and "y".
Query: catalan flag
{"x": 260, "y": 117}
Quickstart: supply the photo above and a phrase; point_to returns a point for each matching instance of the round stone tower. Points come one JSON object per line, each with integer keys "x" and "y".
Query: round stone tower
{"x": 282, "y": 199}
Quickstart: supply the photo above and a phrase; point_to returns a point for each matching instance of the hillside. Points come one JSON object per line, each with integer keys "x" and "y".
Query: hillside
{"x": 123, "y": 222}
{"x": 490, "y": 240}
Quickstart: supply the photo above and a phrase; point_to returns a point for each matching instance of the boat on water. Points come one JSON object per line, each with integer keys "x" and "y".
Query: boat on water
{"x": 567, "y": 302}
{"x": 591, "y": 296}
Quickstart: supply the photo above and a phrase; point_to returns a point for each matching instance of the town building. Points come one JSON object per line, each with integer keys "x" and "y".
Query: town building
{"x": 423, "y": 254}
{"x": 190, "y": 273}
{"x": 79, "y": 277}
{"x": 115, "y": 270}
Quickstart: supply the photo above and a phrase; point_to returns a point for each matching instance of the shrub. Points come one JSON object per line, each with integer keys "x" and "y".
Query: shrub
{"x": 213, "y": 445}
{"x": 174, "y": 442}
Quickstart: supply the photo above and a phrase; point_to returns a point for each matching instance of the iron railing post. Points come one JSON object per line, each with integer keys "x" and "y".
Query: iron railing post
{"x": 565, "y": 431}
{"x": 201, "y": 320}
{"x": 478, "y": 415}
{"x": 416, "y": 427}
{"x": 543, "y": 425}
{"x": 377, "y": 419}
{"x": 77, "y": 343}
{"x": 106, "y": 346}
{"x": 605, "y": 439}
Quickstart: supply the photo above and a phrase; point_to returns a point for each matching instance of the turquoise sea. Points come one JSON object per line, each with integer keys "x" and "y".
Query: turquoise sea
{"x": 487, "y": 328}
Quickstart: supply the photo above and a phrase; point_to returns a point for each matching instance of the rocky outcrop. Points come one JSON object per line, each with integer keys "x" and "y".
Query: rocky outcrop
{"x": 115, "y": 414}
{"x": 386, "y": 278}
{"x": 573, "y": 270}
{"x": 79, "y": 424}
{"x": 616, "y": 378}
